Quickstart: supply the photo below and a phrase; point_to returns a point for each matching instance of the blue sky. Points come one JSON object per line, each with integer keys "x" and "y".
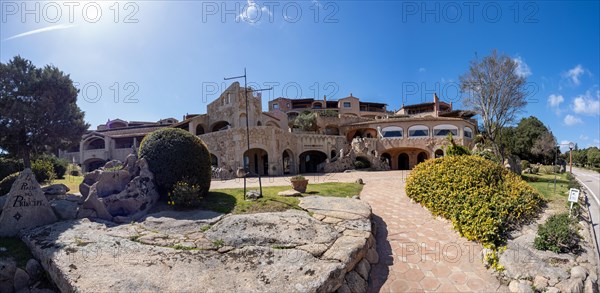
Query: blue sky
{"x": 156, "y": 59}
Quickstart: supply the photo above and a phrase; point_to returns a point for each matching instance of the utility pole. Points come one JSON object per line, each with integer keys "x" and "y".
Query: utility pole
{"x": 248, "y": 129}
{"x": 571, "y": 146}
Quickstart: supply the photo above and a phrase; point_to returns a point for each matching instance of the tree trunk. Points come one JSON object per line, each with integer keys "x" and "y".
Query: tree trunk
{"x": 26, "y": 158}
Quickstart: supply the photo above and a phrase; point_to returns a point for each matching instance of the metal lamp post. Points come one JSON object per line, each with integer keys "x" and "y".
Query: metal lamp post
{"x": 248, "y": 129}
{"x": 571, "y": 146}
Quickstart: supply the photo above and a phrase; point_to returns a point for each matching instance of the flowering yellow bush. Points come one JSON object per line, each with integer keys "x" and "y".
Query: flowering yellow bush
{"x": 482, "y": 199}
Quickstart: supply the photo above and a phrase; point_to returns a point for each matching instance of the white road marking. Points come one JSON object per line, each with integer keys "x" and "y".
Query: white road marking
{"x": 590, "y": 190}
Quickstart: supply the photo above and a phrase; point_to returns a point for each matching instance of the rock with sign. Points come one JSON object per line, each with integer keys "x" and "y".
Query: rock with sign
{"x": 26, "y": 206}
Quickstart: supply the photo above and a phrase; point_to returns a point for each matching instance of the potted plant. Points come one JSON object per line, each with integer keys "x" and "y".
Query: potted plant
{"x": 299, "y": 183}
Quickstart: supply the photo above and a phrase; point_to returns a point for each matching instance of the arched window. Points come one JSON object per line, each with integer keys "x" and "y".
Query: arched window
{"x": 418, "y": 131}
{"x": 444, "y": 129}
{"x": 439, "y": 153}
{"x": 468, "y": 132}
{"x": 392, "y": 131}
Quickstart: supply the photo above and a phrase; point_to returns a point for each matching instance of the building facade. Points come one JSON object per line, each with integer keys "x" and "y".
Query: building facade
{"x": 400, "y": 139}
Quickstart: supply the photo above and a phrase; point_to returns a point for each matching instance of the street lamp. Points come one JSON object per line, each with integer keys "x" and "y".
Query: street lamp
{"x": 571, "y": 146}
{"x": 248, "y": 129}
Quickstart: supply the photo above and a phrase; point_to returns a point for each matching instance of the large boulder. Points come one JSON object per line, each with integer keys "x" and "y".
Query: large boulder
{"x": 55, "y": 189}
{"x": 117, "y": 196}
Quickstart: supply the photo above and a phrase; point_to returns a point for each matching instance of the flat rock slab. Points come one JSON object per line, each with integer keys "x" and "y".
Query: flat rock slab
{"x": 337, "y": 207}
{"x": 289, "y": 229}
{"x": 177, "y": 222}
{"x": 82, "y": 256}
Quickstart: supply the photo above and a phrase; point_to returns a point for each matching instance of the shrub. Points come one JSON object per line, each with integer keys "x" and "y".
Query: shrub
{"x": 362, "y": 163}
{"x": 9, "y": 166}
{"x": 59, "y": 166}
{"x": 185, "y": 195}
{"x": 483, "y": 199}
{"x": 43, "y": 170}
{"x": 297, "y": 178}
{"x": 558, "y": 234}
{"x": 454, "y": 149}
{"x": 549, "y": 169}
{"x": 525, "y": 164}
{"x": 7, "y": 182}
{"x": 174, "y": 155}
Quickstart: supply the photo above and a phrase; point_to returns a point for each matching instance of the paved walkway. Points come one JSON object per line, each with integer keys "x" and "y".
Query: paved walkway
{"x": 417, "y": 252}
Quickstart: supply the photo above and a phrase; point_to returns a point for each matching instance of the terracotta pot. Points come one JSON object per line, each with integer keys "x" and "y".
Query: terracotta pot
{"x": 300, "y": 185}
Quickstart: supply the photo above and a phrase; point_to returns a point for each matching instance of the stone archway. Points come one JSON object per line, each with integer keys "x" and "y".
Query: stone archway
{"x": 199, "y": 129}
{"x": 403, "y": 161}
{"x": 312, "y": 161}
{"x": 221, "y": 125}
{"x": 288, "y": 162}
{"x": 92, "y": 164}
{"x": 439, "y": 153}
{"x": 256, "y": 161}
{"x": 422, "y": 157}
{"x": 95, "y": 143}
{"x": 388, "y": 157}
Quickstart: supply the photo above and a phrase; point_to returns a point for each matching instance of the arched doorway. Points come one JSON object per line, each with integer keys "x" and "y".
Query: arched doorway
{"x": 256, "y": 161}
{"x": 288, "y": 164}
{"x": 312, "y": 161}
{"x": 388, "y": 157}
{"x": 421, "y": 157}
{"x": 214, "y": 161}
{"x": 199, "y": 129}
{"x": 439, "y": 153}
{"x": 403, "y": 161}
{"x": 221, "y": 125}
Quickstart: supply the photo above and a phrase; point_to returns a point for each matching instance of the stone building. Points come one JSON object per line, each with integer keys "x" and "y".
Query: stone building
{"x": 346, "y": 130}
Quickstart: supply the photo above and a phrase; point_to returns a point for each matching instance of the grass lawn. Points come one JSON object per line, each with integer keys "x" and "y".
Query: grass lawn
{"x": 70, "y": 181}
{"x": 544, "y": 183}
{"x": 231, "y": 200}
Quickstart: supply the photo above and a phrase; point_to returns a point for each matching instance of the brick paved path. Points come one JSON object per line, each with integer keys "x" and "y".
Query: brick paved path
{"x": 418, "y": 252}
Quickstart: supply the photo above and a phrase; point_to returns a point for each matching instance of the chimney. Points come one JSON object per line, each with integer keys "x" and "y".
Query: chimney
{"x": 325, "y": 98}
{"x": 436, "y": 104}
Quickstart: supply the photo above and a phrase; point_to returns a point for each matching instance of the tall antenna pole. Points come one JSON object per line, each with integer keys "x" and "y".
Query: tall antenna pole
{"x": 248, "y": 130}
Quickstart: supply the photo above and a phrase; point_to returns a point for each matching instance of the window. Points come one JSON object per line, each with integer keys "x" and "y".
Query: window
{"x": 347, "y": 105}
{"x": 392, "y": 131}
{"x": 444, "y": 130}
{"x": 275, "y": 106}
{"x": 468, "y": 132}
{"x": 418, "y": 131}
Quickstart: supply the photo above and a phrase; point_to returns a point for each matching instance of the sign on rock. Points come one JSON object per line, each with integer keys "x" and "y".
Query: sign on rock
{"x": 26, "y": 206}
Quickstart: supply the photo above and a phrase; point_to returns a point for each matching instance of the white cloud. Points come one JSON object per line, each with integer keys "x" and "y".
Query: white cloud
{"x": 41, "y": 30}
{"x": 253, "y": 12}
{"x": 584, "y": 137}
{"x": 422, "y": 69}
{"x": 571, "y": 120}
{"x": 522, "y": 69}
{"x": 587, "y": 104}
{"x": 574, "y": 73}
{"x": 555, "y": 100}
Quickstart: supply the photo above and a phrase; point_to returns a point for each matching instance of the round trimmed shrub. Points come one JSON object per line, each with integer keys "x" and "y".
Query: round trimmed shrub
{"x": 43, "y": 171}
{"x": 483, "y": 199}
{"x": 7, "y": 182}
{"x": 558, "y": 234}
{"x": 175, "y": 155}
{"x": 9, "y": 166}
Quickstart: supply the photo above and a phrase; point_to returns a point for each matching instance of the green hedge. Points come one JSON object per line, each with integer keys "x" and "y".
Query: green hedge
{"x": 482, "y": 199}
{"x": 9, "y": 166}
{"x": 175, "y": 155}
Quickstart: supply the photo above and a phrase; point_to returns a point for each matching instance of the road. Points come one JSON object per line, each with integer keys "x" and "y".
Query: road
{"x": 591, "y": 181}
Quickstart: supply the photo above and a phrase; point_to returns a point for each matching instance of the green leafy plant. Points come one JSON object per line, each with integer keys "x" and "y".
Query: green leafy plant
{"x": 454, "y": 149}
{"x": 173, "y": 155}
{"x": 297, "y": 178}
{"x": 558, "y": 234}
{"x": 9, "y": 166}
{"x": 43, "y": 170}
{"x": 306, "y": 121}
{"x": 218, "y": 243}
{"x": 483, "y": 200}
{"x": 185, "y": 195}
